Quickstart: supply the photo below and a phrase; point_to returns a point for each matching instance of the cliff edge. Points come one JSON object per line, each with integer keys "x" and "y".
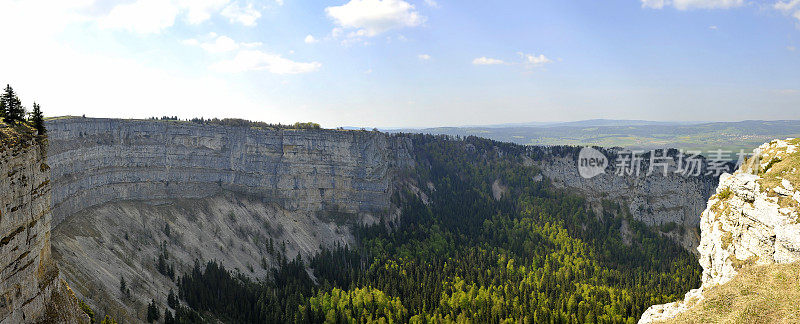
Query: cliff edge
{"x": 750, "y": 225}
{"x": 31, "y": 289}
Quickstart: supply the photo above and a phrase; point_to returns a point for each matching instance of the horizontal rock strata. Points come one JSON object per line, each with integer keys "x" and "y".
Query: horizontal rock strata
{"x": 95, "y": 161}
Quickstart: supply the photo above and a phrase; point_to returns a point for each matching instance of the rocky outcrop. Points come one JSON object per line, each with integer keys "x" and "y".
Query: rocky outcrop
{"x": 753, "y": 219}
{"x": 30, "y": 287}
{"x": 95, "y": 161}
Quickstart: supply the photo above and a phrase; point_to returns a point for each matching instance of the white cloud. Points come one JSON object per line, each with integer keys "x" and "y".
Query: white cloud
{"x": 486, "y": 61}
{"x": 712, "y": 27}
{"x": 153, "y": 16}
{"x": 424, "y": 57}
{"x": 655, "y": 4}
{"x": 432, "y": 3}
{"x": 245, "y": 15}
{"x": 373, "y": 17}
{"x": 787, "y": 6}
{"x": 198, "y": 11}
{"x": 692, "y": 4}
{"x": 790, "y": 8}
{"x": 220, "y": 45}
{"x": 142, "y": 16}
{"x": 279, "y": 2}
{"x": 531, "y": 60}
{"x": 251, "y": 45}
{"x": 253, "y": 60}
{"x": 310, "y": 39}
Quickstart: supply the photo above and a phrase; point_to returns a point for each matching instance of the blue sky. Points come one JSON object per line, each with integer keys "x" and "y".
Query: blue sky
{"x": 412, "y": 63}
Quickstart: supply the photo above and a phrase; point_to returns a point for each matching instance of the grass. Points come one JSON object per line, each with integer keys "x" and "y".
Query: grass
{"x": 725, "y": 193}
{"x": 758, "y": 294}
{"x": 18, "y": 136}
{"x": 780, "y": 166}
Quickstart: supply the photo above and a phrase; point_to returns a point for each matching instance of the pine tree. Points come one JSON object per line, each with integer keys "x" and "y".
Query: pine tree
{"x": 152, "y": 312}
{"x": 172, "y": 300}
{"x": 168, "y": 319}
{"x": 13, "y": 111}
{"x": 38, "y": 119}
{"x": 123, "y": 286}
{"x": 3, "y": 108}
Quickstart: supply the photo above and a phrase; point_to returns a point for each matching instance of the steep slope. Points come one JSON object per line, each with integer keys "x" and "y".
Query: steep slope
{"x": 128, "y": 192}
{"x": 757, "y": 294}
{"x": 30, "y": 287}
{"x": 101, "y": 246}
{"x": 751, "y": 220}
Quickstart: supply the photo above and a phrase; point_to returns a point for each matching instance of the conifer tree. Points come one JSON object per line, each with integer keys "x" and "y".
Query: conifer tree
{"x": 172, "y": 300}
{"x": 38, "y": 119}
{"x": 13, "y": 111}
{"x": 152, "y": 312}
{"x": 2, "y": 108}
{"x": 168, "y": 318}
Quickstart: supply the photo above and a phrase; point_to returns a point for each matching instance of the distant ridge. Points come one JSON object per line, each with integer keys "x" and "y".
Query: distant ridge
{"x": 577, "y": 123}
{"x": 633, "y": 134}
{"x": 620, "y": 122}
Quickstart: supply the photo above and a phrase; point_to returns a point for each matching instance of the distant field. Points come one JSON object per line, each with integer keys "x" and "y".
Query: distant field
{"x": 732, "y": 136}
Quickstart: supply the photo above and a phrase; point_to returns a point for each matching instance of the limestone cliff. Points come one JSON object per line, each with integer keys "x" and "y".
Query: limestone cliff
{"x": 654, "y": 199}
{"x": 128, "y": 191}
{"x": 751, "y": 220}
{"x": 96, "y": 161}
{"x": 30, "y": 287}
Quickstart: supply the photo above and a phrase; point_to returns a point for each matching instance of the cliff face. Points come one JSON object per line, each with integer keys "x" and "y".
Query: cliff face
{"x": 753, "y": 219}
{"x": 95, "y": 161}
{"x": 128, "y": 191}
{"x": 30, "y": 287}
{"x": 654, "y": 199}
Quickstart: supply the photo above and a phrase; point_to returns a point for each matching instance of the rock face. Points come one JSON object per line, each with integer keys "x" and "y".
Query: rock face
{"x": 95, "y": 161}
{"x": 128, "y": 191}
{"x": 100, "y": 246}
{"x": 654, "y": 199}
{"x": 751, "y": 220}
{"x": 30, "y": 287}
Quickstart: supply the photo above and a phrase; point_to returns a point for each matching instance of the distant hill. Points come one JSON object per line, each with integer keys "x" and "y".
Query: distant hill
{"x": 635, "y": 134}
{"x": 619, "y": 122}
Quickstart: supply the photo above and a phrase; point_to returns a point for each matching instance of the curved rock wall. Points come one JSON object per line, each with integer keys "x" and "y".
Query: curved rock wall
{"x": 654, "y": 199}
{"x": 95, "y": 161}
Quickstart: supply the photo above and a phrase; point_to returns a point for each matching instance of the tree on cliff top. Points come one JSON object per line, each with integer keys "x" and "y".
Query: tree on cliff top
{"x": 13, "y": 111}
{"x": 38, "y": 119}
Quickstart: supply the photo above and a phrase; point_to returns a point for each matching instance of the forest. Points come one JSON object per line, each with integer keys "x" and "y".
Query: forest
{"x": 458, "y": 254}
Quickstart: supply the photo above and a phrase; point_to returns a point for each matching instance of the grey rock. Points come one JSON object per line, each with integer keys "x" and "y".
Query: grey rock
{"x": 95, "y": 161}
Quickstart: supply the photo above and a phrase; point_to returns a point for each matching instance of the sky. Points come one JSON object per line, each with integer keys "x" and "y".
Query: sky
{"x": 406, "y": 63}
